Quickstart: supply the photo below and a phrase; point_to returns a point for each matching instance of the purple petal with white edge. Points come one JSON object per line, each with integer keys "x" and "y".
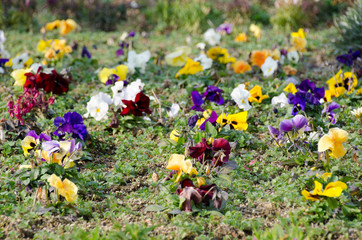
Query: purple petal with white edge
{"x": 286, "y": 125}
{"x": 299, "y": 121}
{"x": 50, "y": 147}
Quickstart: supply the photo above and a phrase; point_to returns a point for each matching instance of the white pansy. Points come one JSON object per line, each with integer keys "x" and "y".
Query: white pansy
{"x": 357, "y": 112}
{"x": 293, "y": 56}
{"x": 212, "y": 37}
{"x": 2, "y": 70}
{"x": 19, "y": 61}
{"x": 269, "y": 67}
{"x": 174, "y": 110}
{"x": 201, "y": 45}
{"x": 98, "y": 106}
{"x": 120, "y": 92}
{"x": 281, "y": 99}
{"x": 205, "y": 61}
{"x": 241, "y": 96}
{"x": 135, "y": 60}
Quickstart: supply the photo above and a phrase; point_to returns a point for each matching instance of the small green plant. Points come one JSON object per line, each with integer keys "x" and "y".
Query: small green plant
{"x": 349, "y": 27}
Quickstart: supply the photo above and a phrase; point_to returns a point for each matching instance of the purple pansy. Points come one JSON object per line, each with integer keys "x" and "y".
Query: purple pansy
{"x": 225, "y": 27}
{"x": 3, "y": 61}
{"x": 119, "y": 52}
{"x": 213, "y": 94}
{"x": 349, "y": 58}
{"x": 329, "y": 111}
{"x": 307, "y": 93}
{"x": 192, "y": 121}
{"x": 86, "y": 53}
{"x": 197, "y": 100}
{"x": 298, "y": 122}
{"x": 72, "y": 123}
{"x": 131, "y": 34}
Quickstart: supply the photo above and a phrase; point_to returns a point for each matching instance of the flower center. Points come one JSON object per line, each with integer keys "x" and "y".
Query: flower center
{"x": 98, "y": 110}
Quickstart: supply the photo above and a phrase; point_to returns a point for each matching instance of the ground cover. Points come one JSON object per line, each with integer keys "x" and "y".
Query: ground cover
{"x": 122, "y": 191}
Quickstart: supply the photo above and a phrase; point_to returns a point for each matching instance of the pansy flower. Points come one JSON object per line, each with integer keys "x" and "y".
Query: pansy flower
{"x": 333, "y": 189}
{"x": 241, "y": 96}
{"x": 138, "y": 106}
{"x": 329, "y": 111}
{"x": 241, "y": 67}
{"x": 178, "y": 163}
{"x": 269, "y": 66}
{"x": 258, "y": 57}
{"x": 255, "y": 30}
{"x": 221, "y": 55}
{"x": 31, "y": 140}
{"x": 98, "y": 106}
{"x": 235, "y": 121}
{"x": 333, "y": 141}
{"x": 222, "y": 149}
{"x": 62, "y": 152}
{"x": 191, "y": 121}
{"x": 349, "y": 58}
{"x": 197, "y": 101}
{"x": 280, "y": 100}
{"x": 341, "y": 82}
{"x": 298, "y": 40}
{"x": 225, "y": 27}
{"x": 256, "y": 95}
{"x": 297, "y": 124}
{"x": 191, "y": 67}
{"x": 65, "y": 188}
{"x": 241, "y": 37}
{"x": 179, "y": 57}
{"x": 213, "y": 94}
{"x": 208, "y": 116}
{"x": 139, "y": 61}
{"x": 290, "y": 88}
{"x": 72, "y": 122}
{"x": 212, "y": 37}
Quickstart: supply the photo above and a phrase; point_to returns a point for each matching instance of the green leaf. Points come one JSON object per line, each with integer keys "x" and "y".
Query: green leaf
{"x": 226, "y": 177}
{"x": 34, "y": 174}
{"x": 332, "y": 203}
{"x": 154, "y": 208}
{"x": 209, "y": 128}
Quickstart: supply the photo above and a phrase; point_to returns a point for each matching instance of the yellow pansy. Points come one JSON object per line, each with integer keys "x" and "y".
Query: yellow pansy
{"x": 121, "y": 72}
{"x": 52, "y": 25}
{"x": 177, "y": 162}
{"x": 179, "y": 57}
{"x": 298, "y": 40}
{"x": 174, "y": 135}
{"x": 290, "y": 88}
{"x": 236, "y": 121}
{"x": 299, "y": 34}
{"x": 275, "y": 54}
{"x": 241, "y": 37}
{"x": 65, "y": 188}
{"x": 334, "y": 141}
{"x": 334, "y": 189}
{"x": 50, "y": 54}
{"x": 255, "y": 30}
{"x": 206, "y": 114}
{"x": 43, "y": 45}
{"x": 327, "y": 96}
{"x": 191, "y": 67}
{"x": 28, "y": 144}
{"x": 256, "y": 95}
{"x": 19, "y": 76}
{"x": 220, "y": 54}
{"x": 105, "y": 73}
{"x": 342, "y": 82}
{"x": 66, "y": 26}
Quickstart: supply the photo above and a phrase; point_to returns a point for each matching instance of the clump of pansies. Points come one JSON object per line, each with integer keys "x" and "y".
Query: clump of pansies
{"x": 194, "y": 176}
{"x": 50, "y": 166}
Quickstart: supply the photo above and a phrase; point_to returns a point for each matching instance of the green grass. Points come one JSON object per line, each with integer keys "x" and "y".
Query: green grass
{"x": 116, "y": 184}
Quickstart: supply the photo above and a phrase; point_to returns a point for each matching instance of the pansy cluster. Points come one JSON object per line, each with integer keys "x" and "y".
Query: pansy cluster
{"x": 48, "y": 157}
{"x": 196, "y": 185}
